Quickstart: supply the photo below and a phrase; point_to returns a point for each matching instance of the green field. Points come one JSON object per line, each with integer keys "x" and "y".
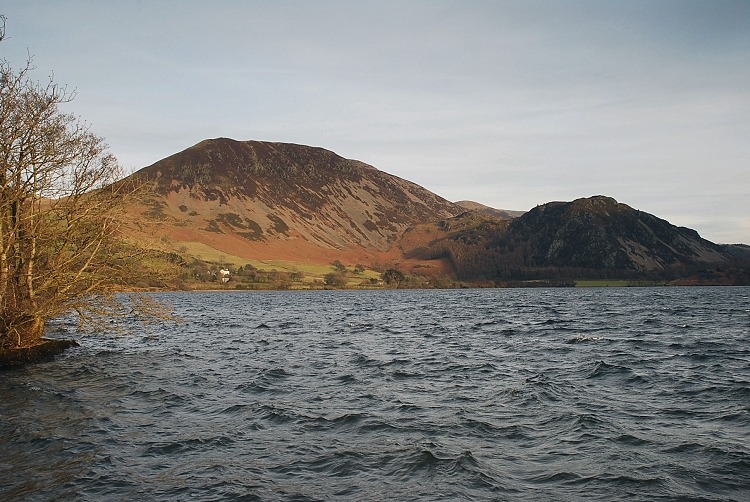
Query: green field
{"x": 313, "y": 274}
{"x": 615, "y": 283}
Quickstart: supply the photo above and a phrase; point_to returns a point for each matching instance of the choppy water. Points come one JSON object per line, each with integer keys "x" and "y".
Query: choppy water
{"x": 592, "y": 394}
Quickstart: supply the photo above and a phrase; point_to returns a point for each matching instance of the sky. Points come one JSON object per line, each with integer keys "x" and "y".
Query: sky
{"x": 508, "y": 103}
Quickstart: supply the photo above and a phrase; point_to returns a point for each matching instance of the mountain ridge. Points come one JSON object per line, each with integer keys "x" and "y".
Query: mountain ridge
{"x": 283, "y": 201}
{"x": 503, "y": 214}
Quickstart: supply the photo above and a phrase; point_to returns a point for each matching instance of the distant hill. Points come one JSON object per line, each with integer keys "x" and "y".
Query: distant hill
{"x": 503, "y": 214}
{"x": 592, "y": 237}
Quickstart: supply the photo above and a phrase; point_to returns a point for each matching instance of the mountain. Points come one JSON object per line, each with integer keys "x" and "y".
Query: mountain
{"x": 258, "y": 199}
{"x": 236, "y": 202}
{"x": 592, "y": 237}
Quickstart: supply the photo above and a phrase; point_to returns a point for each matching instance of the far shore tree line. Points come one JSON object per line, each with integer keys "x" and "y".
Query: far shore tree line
{"x": 183, "y": 272}
{"x": 196, "y": 273}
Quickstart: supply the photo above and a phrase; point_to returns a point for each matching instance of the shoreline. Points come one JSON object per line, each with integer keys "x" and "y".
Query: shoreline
{"x": 39, "y": 353}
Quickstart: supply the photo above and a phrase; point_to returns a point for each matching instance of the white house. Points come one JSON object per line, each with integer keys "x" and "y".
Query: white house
{"x": 224, "y": 273}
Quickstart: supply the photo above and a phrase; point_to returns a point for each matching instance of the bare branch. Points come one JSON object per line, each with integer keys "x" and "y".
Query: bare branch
{"x": 59, "y": 189}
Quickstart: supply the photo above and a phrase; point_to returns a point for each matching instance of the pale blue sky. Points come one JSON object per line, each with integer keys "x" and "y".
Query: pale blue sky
{"x": 511, "y": 104}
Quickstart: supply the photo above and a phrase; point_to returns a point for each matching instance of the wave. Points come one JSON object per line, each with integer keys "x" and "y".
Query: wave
{"x": 453, "y": 395}
{"x": 585, "y": 339}
{"x": 182, "y": 447}
{"x": 603, "y": 369}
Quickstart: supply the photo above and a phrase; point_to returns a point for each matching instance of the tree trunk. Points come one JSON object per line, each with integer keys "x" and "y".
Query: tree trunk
{"x": 30, "y": 332}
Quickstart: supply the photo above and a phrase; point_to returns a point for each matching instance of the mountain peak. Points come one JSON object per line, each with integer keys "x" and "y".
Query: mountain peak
{"x": 217, "y": 160}
{"x": 317, "y": 196}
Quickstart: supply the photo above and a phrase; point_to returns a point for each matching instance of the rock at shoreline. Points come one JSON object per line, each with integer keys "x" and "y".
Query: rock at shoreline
{"x": 42, "y": 352}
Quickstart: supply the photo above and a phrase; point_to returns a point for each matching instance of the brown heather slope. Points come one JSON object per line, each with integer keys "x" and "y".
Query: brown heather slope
{"x": 280, "y": 201}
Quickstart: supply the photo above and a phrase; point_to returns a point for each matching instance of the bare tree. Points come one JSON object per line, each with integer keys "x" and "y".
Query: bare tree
{"x": 59, "y": 192}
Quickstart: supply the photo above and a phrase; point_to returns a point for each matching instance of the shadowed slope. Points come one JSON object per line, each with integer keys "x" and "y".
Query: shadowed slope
{"x": 590, "y": 237}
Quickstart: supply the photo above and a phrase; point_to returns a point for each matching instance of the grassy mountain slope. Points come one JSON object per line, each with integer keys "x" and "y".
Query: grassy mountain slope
{"x": 262, "y": 200}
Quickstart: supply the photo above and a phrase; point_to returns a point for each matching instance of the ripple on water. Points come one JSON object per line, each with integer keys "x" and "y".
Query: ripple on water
{"x": 611, "y": 394}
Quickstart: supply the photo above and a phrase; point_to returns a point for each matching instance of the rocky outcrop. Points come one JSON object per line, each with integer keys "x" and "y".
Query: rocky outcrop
{"x": 591, "y": 237}
{"x": 600, "y": 233}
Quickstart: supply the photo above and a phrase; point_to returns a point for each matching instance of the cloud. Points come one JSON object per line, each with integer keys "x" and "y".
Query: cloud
{"x": 510, "y": 103}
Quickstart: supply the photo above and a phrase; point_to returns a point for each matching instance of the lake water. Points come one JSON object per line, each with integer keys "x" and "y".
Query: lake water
{"x": 521, "y": 394}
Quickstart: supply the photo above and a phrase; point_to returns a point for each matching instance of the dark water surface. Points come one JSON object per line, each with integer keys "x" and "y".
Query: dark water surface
{"x": 566, "y": 394}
